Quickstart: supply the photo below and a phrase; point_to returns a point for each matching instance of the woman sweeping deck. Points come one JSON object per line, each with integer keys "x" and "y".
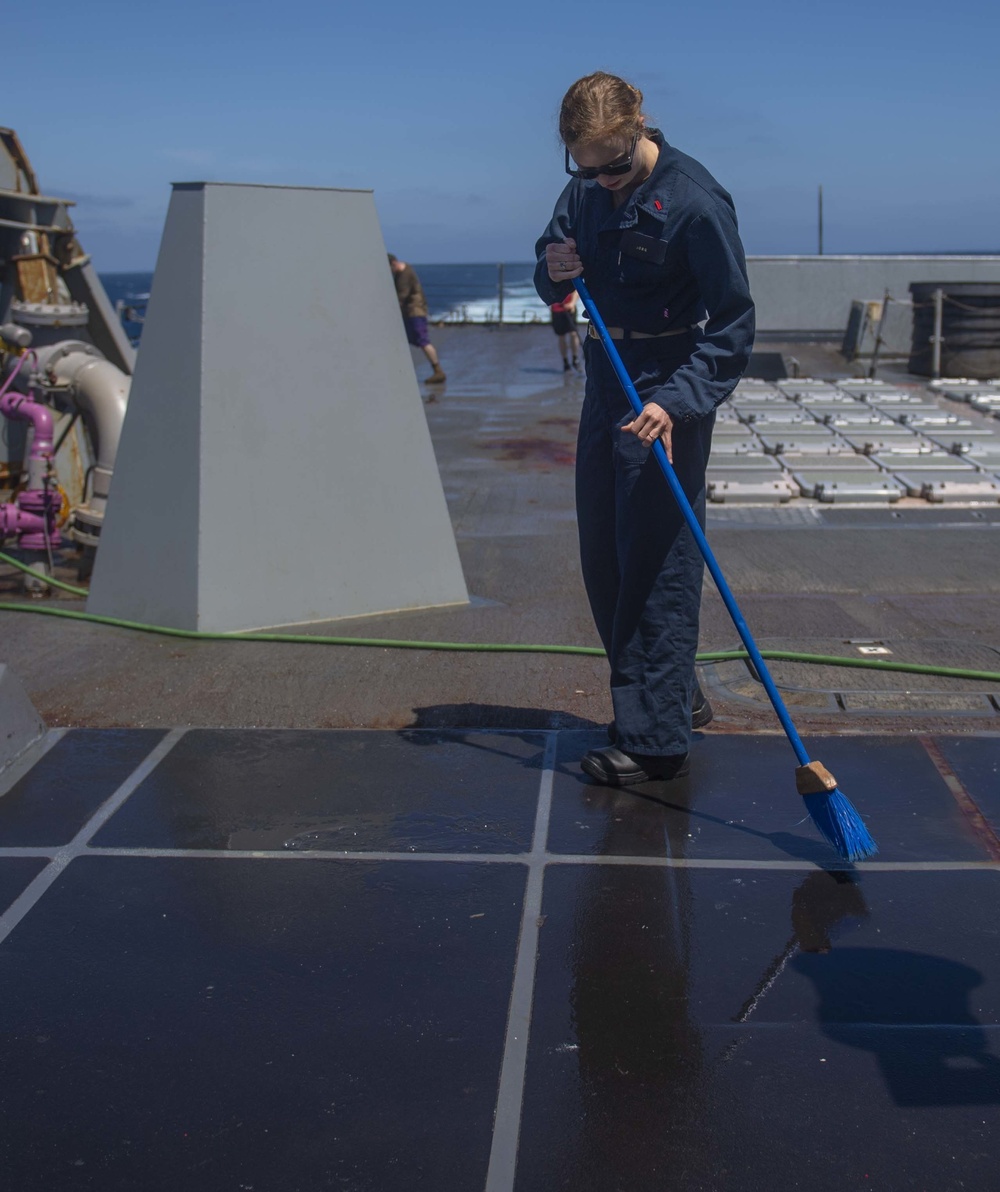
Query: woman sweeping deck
{"x": 656, "y": 237}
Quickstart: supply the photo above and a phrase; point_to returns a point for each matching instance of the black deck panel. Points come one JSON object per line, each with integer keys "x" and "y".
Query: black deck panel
{"x": 298, "y": 1022}
{"x": 15, "y": 875}
{"x": 64, "y": 788}
{"x": 740, "y": 802}
{"x": 419, "y": 790}
{"x": 229, "y": 1023}
{"x": 906, "y": 802}
{"x": 681, "y": 1037}
{"x": 976, "y": 762}
{"x": 793, "y": 1109}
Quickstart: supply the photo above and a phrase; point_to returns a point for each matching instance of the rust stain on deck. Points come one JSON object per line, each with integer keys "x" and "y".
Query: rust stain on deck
{"x": 535, "y": 451}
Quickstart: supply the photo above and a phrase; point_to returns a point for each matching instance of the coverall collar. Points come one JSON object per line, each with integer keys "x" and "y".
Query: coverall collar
{"x": 657, "y": 188}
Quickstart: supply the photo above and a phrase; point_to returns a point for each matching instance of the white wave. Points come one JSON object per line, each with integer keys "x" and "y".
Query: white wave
{"x": 520, "y": 305}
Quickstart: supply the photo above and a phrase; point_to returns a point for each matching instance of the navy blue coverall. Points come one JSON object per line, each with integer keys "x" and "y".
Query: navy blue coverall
{"x": 641, "y": 566}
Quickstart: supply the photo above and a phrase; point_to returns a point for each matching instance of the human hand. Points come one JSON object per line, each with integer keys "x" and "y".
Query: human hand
{"x": 562, "y": 261}
{"x": 653, "y": 423}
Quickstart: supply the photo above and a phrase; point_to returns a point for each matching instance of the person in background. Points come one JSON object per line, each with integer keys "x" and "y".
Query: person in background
{"x": 564, "y": 325}
{"x": 413, "y": 307}
{"x": 655, "y": 237}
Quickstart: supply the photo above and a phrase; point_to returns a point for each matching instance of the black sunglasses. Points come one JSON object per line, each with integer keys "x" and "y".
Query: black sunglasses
{"x": 619, "y": 166}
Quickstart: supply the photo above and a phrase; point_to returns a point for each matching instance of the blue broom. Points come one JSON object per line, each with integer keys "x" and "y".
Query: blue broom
{"x": 831, "y": 811}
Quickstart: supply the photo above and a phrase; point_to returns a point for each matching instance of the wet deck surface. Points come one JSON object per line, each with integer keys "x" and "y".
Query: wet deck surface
{"x": 440, "y": 959}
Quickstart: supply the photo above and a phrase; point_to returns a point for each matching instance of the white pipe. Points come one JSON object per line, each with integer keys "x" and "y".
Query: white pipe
{"x": 102, "y": 390}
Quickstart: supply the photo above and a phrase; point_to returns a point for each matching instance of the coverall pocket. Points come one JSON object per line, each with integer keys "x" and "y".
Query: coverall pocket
{"x": 640, "y": 276}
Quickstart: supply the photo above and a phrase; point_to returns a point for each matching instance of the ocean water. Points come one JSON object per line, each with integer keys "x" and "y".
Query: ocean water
{"x": 455, "y": 294}
{"x": 471, "y": 293}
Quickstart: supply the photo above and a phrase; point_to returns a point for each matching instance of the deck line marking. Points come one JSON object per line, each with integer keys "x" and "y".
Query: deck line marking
{"x": 967, "y": 805}
{"x": 510, "y": 1095}
{"x": 62, "y": 856}
{"x": 138, "y": 775}
{"x": 30, "y": 895}
{"x": 228, "y": 854}
{"x": 25, "y": 762}
{"x": 835, "y": 863}
{"x": 209, "y": 854}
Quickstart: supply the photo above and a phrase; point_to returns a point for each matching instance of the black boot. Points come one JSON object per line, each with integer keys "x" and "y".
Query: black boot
{"x": 701, "y": 709}
{"x": 614, "y": 767}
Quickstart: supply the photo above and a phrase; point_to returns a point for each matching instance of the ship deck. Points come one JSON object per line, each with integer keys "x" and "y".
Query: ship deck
{"x": 300, "y": 917}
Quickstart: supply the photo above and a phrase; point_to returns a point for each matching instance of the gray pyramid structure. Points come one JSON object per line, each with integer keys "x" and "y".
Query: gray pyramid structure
{"x": 275, "y": 465}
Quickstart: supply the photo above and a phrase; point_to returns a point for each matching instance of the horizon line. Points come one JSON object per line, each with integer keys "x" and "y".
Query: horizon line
{"x": 750, "y": 256}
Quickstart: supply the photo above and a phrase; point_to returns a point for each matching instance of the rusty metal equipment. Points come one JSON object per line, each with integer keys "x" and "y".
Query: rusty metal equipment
{"x": 61, "y": 337}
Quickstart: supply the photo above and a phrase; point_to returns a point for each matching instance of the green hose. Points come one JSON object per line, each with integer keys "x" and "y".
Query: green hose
{"x": 54, "y": 583}
{"x": 912, "y": 668}
{"x": 304, "y": 638}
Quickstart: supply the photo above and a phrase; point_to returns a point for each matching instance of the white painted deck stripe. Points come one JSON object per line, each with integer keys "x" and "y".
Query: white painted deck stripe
{"x": 507, "y": 1119}
{"x": 62, "y": 856}
{"x": 138, "y": 775}
{"x": 220, "y": 854}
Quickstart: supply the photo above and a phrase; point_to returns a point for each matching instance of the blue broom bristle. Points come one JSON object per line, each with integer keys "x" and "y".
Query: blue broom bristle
{"x": 835, "y": 816}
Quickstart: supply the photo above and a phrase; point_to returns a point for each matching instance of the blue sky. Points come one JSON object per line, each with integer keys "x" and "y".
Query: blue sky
{"x": 448, "y": 111}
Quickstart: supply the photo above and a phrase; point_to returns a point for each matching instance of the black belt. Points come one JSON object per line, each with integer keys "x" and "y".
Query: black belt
{"x": 625, "y": 333}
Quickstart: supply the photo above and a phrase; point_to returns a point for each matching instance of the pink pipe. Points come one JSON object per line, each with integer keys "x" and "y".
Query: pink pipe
{"x": 14, "y": 520}
{"x": 21, "y": 407}
{"x": 33, "y": 516}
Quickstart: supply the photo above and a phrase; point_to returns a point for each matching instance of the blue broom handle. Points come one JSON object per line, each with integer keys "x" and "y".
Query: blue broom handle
{"x": 699, "y": 534}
